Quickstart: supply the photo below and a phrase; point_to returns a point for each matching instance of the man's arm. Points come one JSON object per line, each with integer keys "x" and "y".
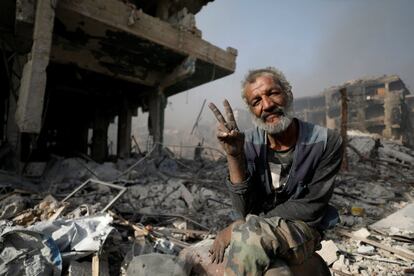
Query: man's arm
{"x": 242, "y": 194}
{"x": 232, "y": 141}
{"x": 311, "y": 208}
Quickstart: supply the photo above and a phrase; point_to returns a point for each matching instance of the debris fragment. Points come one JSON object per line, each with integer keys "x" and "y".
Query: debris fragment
{"x": 30, "y": 253}
{"x": 328, "y": 252}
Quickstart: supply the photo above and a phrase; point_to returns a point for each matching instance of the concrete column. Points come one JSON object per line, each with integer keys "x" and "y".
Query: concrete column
{"x": 392, "y": 114}
{"x": 124, "y": 130}
{"x": 157, "y": 103}
{"x": 100, "y": 137}
{"x": 33, "y": 82}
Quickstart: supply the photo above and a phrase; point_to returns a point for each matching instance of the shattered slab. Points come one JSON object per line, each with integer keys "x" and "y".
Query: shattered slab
{"x": 402, "y": 219}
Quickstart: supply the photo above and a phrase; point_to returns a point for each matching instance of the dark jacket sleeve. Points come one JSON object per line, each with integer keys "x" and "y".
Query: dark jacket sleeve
{"x": 312, "y": 206}
{"x": 242, "y": 194}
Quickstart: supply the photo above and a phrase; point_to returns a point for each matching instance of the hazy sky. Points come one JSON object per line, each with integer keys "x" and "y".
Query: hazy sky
{"x": 316, "y": 43}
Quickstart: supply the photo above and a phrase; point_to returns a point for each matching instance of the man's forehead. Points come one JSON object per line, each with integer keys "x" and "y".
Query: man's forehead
{"x": 261, "y": 81}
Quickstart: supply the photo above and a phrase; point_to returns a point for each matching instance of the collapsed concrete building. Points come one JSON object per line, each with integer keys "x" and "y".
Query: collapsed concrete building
{"x": 70, "y": 67}
{"x": 381, "y": 105}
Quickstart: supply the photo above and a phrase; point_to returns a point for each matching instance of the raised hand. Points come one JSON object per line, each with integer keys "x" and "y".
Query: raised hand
{"x": 228, "y": 134}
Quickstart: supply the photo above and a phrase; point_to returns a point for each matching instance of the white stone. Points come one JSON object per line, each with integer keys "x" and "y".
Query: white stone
{"x": 362, "y": 233}
{"x": 340, "y": 263}
{"x": 366, "y": 249}
{"x": 328, "y": 252}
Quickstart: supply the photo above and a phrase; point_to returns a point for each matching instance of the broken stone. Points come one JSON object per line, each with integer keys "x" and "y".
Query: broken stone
{"x": 187, "y": 196}
{"x": 328, "y": 252}
{"x": 362, "y": 233}
{"x": 340, "y": 263}
{"x": 366, "y": 249}
{"x": 180, "y": 224}
{"x": 364, "y": 144}
{"x": 166, "y": 246}
{"x": 347, "y": 220}
{"x": 157, "y": 264}
{"x": 11, "y": 206}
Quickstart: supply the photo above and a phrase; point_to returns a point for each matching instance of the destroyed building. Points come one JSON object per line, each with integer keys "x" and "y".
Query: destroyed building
{"x": 71, "y": 67}
{"x": 381, "y": 105}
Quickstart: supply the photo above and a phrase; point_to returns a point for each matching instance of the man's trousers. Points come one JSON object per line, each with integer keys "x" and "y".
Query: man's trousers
{"x": 260, "y": 243}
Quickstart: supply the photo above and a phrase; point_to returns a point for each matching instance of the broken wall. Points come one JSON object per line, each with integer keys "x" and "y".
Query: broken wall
{"x": 375, "y": 105}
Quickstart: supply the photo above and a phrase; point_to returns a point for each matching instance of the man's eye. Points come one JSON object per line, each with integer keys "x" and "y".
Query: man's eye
{"x": 255, "y": 103}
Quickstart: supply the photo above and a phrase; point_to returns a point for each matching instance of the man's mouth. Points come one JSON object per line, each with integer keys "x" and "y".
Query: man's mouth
{"x": 269, "y": 116}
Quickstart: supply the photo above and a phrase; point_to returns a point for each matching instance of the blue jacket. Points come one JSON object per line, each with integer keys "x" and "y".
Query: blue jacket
{"x": 317, "y": 159}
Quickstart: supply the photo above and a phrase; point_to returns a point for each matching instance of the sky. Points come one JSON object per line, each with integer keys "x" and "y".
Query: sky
{"x": 317, "y": 44}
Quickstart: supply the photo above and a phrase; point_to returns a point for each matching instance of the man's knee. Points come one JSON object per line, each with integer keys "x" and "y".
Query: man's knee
{"x": 302, "y": 241}
{"x": 259, "y": 241}
{"x": 254, "y": 239}
{"x": 254, "y": 232}
{"x": 293, "y": 241}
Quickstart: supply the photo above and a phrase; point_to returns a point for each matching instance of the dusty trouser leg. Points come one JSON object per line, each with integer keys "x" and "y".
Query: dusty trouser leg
{"x": 258, "y": 243}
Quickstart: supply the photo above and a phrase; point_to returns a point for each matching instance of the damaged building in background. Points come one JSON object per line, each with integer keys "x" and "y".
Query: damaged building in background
{"x": 71, "y": 67}
{"x": 381, "y": 105}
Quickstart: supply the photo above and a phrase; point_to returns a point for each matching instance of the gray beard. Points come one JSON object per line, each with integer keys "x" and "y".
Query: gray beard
{"x": 274, "y": 128}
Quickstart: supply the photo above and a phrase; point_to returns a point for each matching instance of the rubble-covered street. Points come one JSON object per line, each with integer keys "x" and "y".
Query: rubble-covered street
{"x": 111, "y": 162}
{"x": 147, "y": 209}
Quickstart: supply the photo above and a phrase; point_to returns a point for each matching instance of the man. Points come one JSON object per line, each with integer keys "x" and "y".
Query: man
{"x": 281, "y": 177}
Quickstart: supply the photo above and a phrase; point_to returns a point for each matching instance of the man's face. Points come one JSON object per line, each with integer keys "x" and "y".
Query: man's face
{"x": 269, "y": 105}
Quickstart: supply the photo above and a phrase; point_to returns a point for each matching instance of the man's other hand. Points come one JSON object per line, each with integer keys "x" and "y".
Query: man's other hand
{"x": 221, "y": 242}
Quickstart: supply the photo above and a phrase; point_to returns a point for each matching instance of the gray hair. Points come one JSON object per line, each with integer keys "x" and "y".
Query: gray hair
{"x": 275, "y": 74}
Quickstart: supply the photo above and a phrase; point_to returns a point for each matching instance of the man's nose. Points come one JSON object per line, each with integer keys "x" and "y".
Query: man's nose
{"x": 268, "y": 103}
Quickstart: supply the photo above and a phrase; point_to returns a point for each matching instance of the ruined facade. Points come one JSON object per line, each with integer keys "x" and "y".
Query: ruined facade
{"x": 71, "y": 67}
{"x": 381, "y": 105}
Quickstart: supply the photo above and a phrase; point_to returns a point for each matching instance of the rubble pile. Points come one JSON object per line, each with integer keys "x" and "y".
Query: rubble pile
{"x": 113, "y": 211}
{"x": 76, "y": 217}
{"x": 378, "y": 184}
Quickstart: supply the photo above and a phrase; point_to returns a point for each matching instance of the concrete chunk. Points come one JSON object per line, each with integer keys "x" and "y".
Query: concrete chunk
{"x": 328, "y": 252}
